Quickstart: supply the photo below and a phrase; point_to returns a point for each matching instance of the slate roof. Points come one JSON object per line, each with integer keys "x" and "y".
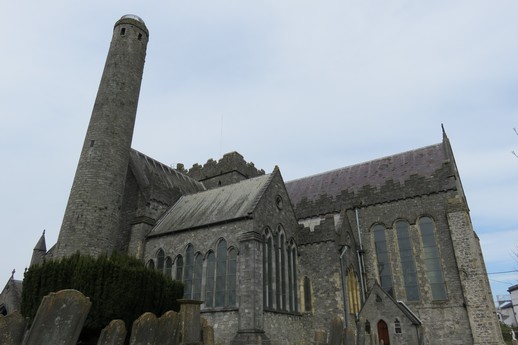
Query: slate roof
{"x": 157, "y": 179}
{"x": 213, "y": 206}
{"x": 399, "y": 167}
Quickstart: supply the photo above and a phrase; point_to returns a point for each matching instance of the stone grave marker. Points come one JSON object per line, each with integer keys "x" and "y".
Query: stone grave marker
{"x": 144, "y": 330}
{"x": 168, "y": 331}
{"x": 59, "y": 319}
{"x": 113, "y": 334}
{"x": 12, "y": 328}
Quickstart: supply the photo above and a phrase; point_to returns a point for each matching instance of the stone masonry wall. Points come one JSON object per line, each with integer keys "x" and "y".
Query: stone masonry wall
{"x": 479, "y": 304}
{"x": 454, "y": 326}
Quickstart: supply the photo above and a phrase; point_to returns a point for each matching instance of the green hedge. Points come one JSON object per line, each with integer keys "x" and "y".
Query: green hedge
{"x": 118, "y": 286}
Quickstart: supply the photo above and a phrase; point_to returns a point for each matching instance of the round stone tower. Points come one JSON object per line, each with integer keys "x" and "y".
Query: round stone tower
{"x": 91, "y": 224}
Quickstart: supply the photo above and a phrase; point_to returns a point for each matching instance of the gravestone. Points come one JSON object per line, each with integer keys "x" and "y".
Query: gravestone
{"x": 144, "y": 330}
{"x": 191, "y": 321}
{"x": 336, "y": 331}
{"x": 113, "y": 334}
{"x": 12, "y": 328}
{"x": 168, "y": 330}
{"x": 320, "y": 337}
{"x": 59, "y": 319}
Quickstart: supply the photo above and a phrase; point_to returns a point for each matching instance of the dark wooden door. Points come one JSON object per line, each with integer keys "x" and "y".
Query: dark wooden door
{"x": 383, "y": 333}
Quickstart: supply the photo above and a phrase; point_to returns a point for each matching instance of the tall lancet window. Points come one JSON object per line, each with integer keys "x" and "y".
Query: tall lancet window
{"x": 383, "y": 260}
{"x": 406, "y": 255}
{"x": 432, "y": 260}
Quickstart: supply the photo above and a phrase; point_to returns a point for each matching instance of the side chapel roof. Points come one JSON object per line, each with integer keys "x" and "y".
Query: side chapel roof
{"x": 213, "y": 206}
{"x": 157, "y": 179}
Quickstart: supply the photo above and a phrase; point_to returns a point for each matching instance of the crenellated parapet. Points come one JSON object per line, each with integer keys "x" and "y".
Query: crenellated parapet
{"x": 231, "y": 168}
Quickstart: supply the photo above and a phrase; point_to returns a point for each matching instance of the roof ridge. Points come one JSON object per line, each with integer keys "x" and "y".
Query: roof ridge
{"x": 365, "y": 162}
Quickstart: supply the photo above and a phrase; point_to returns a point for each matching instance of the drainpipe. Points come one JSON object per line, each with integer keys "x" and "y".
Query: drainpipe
{"x": 360, "y": 255}
{"x": 342, "y": 270}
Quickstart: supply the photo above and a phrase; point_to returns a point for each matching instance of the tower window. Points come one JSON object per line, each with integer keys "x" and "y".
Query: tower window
{"x": 139, "y": 37}
{"x": 123, "y": 31}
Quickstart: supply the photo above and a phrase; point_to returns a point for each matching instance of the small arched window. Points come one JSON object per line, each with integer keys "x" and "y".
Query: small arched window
{"x": 367, "y": 327}
{"x": 179, "y": 268}
{"x": 168, "y": 266}
{"x": 397, "y": 326}
{"x": 160, "y": 260}
{"x": 150, "y": 264}
{"x": 406, "y": 255}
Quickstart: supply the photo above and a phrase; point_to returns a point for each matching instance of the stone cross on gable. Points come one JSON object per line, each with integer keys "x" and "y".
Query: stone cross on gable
{"x": 12, "y": 273}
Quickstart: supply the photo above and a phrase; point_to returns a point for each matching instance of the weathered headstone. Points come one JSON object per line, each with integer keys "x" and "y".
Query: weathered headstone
{"x": 320, "y": 337}
{"x": 168, "y": 331}
{"x": 59, "y": 319}
{"x": 12, "y": 328}
{"x": 113, "y": 334}
{"x": 336, "y": 331}
{"x": 191, "y": 321}
{"x": 144, "y": 330}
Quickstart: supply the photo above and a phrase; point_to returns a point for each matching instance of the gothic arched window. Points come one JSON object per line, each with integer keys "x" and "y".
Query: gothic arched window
{"x": 150, "y": 264}
{"x": 188, "y": 272}
{"x": 353, "y": 291}
{"x": 198, "y": 268}
{"x": 268, "y": 271}
{"x": 221, "y": 273}
{"x": 432, "y": 260}
{"x": 382, "y": 256}
{"x": 179, "y": 267}
{"x": 209, "y": 286}
{"x": 160, "y": 260}
{"x": 168, "y": 271}
{"x": 282, "y": 287}
{"x": 232, "y": 277}
{"x": 406, "y": 255}
{"x": 292, "y": 278}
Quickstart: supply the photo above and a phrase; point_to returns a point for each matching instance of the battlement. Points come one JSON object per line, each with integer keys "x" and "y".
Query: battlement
{"x": 231, "y": 168}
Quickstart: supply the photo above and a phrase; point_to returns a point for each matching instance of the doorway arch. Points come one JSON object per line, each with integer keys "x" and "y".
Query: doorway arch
{"x": 383, "y": 333}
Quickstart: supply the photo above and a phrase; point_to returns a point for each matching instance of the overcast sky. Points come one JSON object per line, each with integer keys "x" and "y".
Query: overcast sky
{"x": 309, "y": 86}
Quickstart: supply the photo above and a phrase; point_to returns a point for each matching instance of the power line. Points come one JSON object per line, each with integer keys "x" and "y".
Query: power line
{"x": 513, "y": 271}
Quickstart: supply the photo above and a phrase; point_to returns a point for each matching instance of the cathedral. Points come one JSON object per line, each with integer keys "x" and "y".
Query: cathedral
{"x": 387, "y": 246}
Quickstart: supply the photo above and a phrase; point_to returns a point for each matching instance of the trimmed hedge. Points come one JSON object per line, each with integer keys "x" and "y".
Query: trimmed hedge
{"x": 118, "y": 286}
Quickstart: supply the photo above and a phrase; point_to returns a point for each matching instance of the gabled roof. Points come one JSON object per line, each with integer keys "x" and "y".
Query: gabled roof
{"x": 403, "y": 175}
{"x": 377, "y": 289}
{"x": 156, "y": 179}
{"x": 399, "y": 167}
{"x": 235, "y": 201}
